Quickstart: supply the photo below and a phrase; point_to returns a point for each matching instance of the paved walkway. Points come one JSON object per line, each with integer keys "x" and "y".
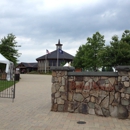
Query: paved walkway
{"x": 31, "y": 110}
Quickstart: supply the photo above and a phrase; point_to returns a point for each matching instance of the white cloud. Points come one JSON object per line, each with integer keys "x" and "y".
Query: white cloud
{"x": 38, "y": 24}
{"x": 59, "y": 4}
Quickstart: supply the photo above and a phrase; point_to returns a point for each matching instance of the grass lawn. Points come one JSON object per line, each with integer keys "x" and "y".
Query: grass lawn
{"x": 5, "y": 84}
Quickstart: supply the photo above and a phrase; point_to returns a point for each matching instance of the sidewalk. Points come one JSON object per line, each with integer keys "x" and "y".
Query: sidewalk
{"x": 31, "y": 110}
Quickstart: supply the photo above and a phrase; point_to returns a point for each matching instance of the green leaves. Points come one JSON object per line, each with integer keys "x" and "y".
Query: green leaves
{"x": 94, "y": 54}
{"x": 87, "y": 56}
{"x": 8, "y": 48}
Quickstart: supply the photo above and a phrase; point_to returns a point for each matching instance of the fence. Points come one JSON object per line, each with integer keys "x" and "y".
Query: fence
{"x": 7, "y": 86}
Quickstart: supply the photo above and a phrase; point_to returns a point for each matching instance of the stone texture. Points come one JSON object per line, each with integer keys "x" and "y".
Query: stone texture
{"x": 106, "y": 112}
{"x": 107, "y": 81}
{"x": 122, "y": 90}
{"x": 56, "y": 79}
{"x": 95, "y": 86}
{"x": 87, "y": 99}
{"x": 92, "y": 99}
{"x": 127, "y": 96}
{"x": 101, "y": 83}
{"x": 98, "y": 110}
{"x": 94, "y": 93}
{"x": 78, "y": 90}
{"x": 63, "y": 81}
{"x": 65, "y": 72}
{"x": 86, "y": 78}
{"x": 128, "y": 108}
{"x": 60, "y": 101}
{"x": 99, "y": 99}
{"x": 122, "y": 112}
{"x": 58, "y": 74}
{"x": 62, "y": 73}
{"x": 64, "y": 96}
{"x": 119, "y": 86}
{"x": 57, "y": 86}
{"x": 70, "y": 96}
{"x": 105, "y": 102}
{"x": 126, "y": 84}
{"x": 95, "y": 79}
{"x": 70, "y": 107}
{"x": 70, "y": 79}
{"x": 62, "y": 89}
{"x": 91, "y": 111}
{"x": 79, "y": 86}
{"x": 87, "y": 86}
{"x": 72, "y": 85}
{"x": 125, "y": 78}
{"x": 54, "y": 107}
{"x": 75, "y": 105}
{"x": 57, "y": 94}
{"x": 80, "y": 108}
{"x": 85, "y": 94}
{"x": 117, "y": 97}
{"x": 66, "y": 106}
{"x": 60, "y": 108}
{"x": 113, "y": 111}
{"x": 111, "y": 97}
{"x": 127, "y": 90}
{"x": 78, "y": 78}
{"x": 53, "y": 80}
{"x": 78, "y": 97}
{"x": 84, "y": 108}
{"x": 122, "y": 95}
{"x": 53, "y": 73}
{"x": 59, "y": 79}
{"x": 122, "y": 73}
{"x": 112, "y": 80}
{"x": 102, "y": 94}
{"x": 119, "y": 78}
{"x": 103, "y": 77}
{"x": 91, "y": 105}
{"x": 125, "y": 102}
{"x": 53, "y": 89}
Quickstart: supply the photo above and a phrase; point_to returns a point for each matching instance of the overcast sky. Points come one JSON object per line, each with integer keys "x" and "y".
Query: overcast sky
{"x": 38, "y": 24}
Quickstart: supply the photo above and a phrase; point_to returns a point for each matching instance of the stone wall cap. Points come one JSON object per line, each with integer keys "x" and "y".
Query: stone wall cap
{"x": 65, "y": 68}
{"x": 125, "y": 68}
{"x": 114, "y": 74}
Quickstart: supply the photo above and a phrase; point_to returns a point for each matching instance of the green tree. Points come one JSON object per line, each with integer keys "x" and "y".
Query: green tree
{"x": 78, "y": 60}
{"x": 106, "y": 58}
{"x": 88, "y": 55}
{"x": 118, "y": 52}
{"x": 126, "y": 36}
{"x": 8, "y": 48}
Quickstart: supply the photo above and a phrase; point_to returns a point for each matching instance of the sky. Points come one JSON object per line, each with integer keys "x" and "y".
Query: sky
{"x": 39, "y": 24}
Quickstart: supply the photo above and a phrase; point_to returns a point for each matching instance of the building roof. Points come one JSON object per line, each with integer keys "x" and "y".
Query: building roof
{"x": 53, "y": 55}
{"x": 33, "y": 65}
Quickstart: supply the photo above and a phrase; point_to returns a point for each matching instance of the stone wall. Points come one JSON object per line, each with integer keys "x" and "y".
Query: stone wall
{"x": 100, "y": 93}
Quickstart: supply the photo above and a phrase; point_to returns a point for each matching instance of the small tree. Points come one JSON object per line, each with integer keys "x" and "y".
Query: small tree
{"x": 8, "y": 48}
{"x": 87, "y": 56}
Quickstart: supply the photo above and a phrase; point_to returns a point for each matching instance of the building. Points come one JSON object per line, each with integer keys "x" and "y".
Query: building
{"x": 55, "y": 58}
{"x": 27, "y": 67}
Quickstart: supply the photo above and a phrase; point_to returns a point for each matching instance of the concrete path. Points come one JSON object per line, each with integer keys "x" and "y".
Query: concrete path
{"x": 31, "y": 110}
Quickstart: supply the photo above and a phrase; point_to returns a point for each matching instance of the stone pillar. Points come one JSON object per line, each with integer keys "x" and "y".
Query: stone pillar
{"x": 59, "y": 88}
{"x": 124, "y": 89}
